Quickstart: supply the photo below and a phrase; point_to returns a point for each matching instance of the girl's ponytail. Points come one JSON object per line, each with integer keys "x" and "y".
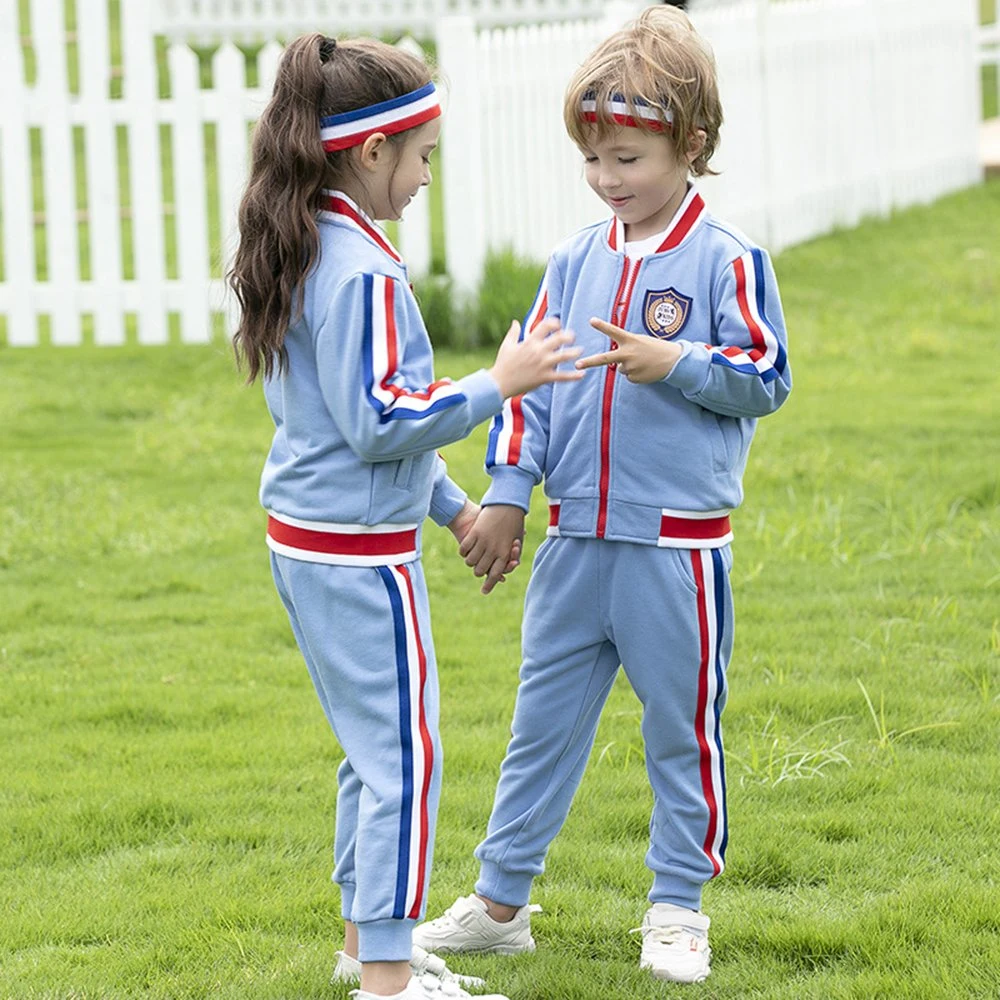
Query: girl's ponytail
{"x": 279, "y": 239}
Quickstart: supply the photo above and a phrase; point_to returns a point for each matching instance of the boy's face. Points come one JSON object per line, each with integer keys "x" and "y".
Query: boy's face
{"x": 637, "y": 173}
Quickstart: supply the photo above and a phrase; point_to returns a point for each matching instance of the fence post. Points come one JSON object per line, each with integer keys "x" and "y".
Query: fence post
{"x": 48, "y": 30}
{"x": 103, "y": 203}
{"x": 764, "y": 55}
{"x": 15, "y": 186}
{"x": 462, "y": 153}
{"x": 415, "y": 230}
{"x": 145, "y": 173}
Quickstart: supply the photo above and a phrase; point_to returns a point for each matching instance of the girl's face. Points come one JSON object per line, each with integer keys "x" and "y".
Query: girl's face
{"x": 403, "y": 170}
{"x": 638, "y": 174}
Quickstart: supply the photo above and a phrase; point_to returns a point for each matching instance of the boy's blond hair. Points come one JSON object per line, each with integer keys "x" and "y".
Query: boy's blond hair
{"x": 660, "y": 59}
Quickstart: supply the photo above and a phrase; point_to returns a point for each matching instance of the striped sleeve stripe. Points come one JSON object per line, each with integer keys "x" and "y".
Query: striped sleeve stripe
{"x": 381, "y": 349}
{"x": 709, "y": 578}
{"x": 507, "y": 429}
{"x": 417, "y": 749}
{"x": 750, "y": 362}
{"x": 750, "y": 295}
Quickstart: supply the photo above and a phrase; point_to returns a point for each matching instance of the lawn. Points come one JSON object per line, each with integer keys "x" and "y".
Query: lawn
{"x": 167, "y": 780}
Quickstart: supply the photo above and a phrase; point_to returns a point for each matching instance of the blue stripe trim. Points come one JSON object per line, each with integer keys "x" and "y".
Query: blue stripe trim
{"x": 758, "y": 269}
{"x": 720, "y": 682}
{"x": 405, "y": 741}
{"x": 385, "y": 414}
{"x": 401, "y": 413}
{"x": 491, "y": 446}
{"x": 376, "y": 109}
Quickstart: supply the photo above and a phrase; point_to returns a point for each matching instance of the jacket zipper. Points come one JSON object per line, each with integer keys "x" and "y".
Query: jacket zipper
{"x": 619, "y": 312}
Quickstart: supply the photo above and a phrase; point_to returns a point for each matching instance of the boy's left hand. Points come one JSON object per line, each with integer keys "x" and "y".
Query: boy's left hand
{"x": 638, "y": 357}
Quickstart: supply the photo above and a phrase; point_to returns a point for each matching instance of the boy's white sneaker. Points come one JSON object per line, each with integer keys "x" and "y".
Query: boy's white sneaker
{"x": 466, "y": 926}
{"x": 348, "y": 969}
{"x": 675, "y": 944}
{"x": 427, "y": 987}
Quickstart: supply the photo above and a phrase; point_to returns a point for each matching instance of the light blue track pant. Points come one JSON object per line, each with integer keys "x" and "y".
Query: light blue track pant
{"x": 666, "y": 616}
{"x": 364, "y": 632}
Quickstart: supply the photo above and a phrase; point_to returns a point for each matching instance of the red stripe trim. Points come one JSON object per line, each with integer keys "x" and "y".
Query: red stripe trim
{"x": 425, "y": 739}
{"x": 516, "y": 408}
{"x": 553, "y": 515}
{"x": 626, "y": 120}
{"x": 389, "y": 128}
{"x": 684, "y": 225}
{"x": 389, "y": 543}
{"x": 697, "y": 529}
{"x": 705, "y": 753}
{"x": 613, "y": 234}
{"x": 341, "y": 207}
{"x": 618, "y": 313}
{"x": 756, "y": 334}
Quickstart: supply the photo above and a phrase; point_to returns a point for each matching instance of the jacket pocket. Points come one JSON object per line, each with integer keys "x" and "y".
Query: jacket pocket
{"x": 403, "y": 474}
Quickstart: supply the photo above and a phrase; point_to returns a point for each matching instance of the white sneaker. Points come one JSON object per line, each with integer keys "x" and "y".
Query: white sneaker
{"x": 675, "y": 943}
{"x": 427, "y": 987}
{"x": 348, "y": 969}
{"x": 466, "y": 926}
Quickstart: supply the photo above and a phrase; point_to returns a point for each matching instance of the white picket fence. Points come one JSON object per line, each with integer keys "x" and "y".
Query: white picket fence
{"x": 262, "y": 20}
{"x": 832, "y": 113}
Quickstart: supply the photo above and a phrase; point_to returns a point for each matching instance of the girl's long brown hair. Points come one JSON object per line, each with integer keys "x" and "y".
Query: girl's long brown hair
{"x": 279, "y": 239}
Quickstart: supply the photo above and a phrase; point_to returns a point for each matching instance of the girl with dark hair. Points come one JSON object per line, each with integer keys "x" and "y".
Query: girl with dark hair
{"x": 329, "y": 322}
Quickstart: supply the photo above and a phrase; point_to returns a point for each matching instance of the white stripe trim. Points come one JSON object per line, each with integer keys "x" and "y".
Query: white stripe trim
{"x": 336, "y": 559}
{"x": 589, "y": 106}
{"x": 417, "y": 743}
{"x": 711, "y": 730}
{"x": 370, "y": 122}
{"x": 753, "y": 281}
{"x": 696, "y": 515}
{"x": 673, "y": 542}
{"x": 380, "y": 361}
{"x": 341, "y": 529}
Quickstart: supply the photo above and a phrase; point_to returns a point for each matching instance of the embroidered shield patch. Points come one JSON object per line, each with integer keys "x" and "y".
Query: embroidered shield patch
{"x": 665, "y": 312}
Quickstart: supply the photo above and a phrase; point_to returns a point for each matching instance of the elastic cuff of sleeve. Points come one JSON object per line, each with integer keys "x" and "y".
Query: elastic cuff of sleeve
{"x": 509, "y": 485}
{"x": 690, "y": 371}
{"x": 483, "y": 394}
{"x": 448, "y": 499}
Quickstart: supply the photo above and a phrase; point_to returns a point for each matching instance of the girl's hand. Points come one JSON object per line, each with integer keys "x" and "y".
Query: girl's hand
{"x": 522, "y": 365}
{"x": 638, "y": 357}
{"x": 460, "y": 524}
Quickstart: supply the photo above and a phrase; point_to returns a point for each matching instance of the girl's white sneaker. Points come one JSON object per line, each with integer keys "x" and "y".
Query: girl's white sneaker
{"x": 348, "y": 969}
{"x": 675, "y": 944}
{"x": 428, "y": 987}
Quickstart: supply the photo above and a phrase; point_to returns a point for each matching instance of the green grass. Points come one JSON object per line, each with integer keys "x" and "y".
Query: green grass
{"x": 168, "y": 786}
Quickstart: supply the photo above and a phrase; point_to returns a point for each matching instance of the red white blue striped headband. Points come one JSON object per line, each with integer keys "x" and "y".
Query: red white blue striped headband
{"x": 389, "y": 117}
{"x": 617, "y": 110}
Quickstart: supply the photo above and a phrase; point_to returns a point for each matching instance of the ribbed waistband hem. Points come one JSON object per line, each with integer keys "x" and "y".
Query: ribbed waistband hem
{"x": 342, "y": 544}
{"x": 663, "y": 527}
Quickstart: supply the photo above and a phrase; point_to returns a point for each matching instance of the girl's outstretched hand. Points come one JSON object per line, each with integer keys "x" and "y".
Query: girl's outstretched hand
{"x": 522, "y": 365}
{"x": 638, "y": 357}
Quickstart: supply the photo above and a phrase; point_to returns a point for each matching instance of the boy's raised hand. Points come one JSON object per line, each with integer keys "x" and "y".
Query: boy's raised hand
{"x": 638, "y": 357}
{"x": 523, "y": 365}
{"x": 492, "y": 547}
